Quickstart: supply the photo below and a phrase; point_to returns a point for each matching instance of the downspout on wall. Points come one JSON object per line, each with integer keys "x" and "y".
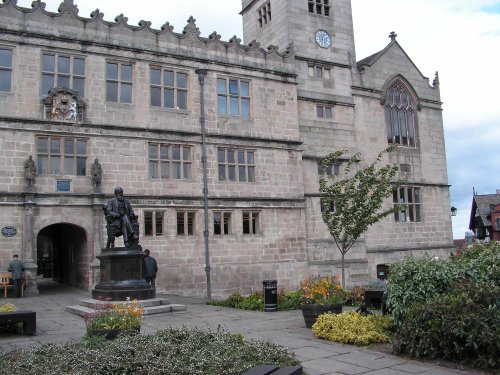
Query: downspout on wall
{"x": 201, "y": 78}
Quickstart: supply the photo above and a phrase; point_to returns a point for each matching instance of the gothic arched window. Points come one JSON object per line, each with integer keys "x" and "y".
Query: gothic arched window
{"x": 400, "y": 115}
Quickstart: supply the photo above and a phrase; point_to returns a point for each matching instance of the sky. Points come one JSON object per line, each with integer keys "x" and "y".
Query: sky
{"x": 458, "y": 38}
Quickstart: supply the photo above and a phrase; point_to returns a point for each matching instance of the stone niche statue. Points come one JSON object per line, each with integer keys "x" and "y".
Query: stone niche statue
{"x": 96, "y": 172}
{"x": 121, "y": 220}
{"x": 30, "y": 172}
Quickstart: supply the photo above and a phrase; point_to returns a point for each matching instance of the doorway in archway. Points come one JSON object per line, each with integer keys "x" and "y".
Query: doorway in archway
{"x": 62, "y": 254}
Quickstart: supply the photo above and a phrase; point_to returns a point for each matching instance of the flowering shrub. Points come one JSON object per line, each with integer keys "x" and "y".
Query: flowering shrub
{"x": 7, "y": 307}
{"x": 352, "y": 328}
{"x": 126, "y": 315}
{"x": 322, "y": 290}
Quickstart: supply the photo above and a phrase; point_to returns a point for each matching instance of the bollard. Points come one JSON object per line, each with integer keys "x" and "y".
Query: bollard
{"x": 270, "y": 295}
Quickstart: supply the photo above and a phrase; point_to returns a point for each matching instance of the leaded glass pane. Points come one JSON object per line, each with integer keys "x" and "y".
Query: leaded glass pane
{"x": 5, "y": 80}
{"x": 79, "y": 86}
{"x": 48, "y": 63}
{"x": 79, "y": 66}
{"x": 176, "y": 171}
{"x": 155, "y": 76}
{"x": 6, "y": 58}
{"x": 181, "y": 80}
{"x": 233, "y": 103}
{"x": 222, "y": 104}
{"x": 126, "y": 72}
{"x": 181, "y": 99}
{"x": 153, "y": 169}
{"x": 47, "y": 83}
{"x": 169, "y": 98}
{"x": 244, "y": 89}
{"x": 163, "y": 152}
{"x": 233, "y": 87}
{"x": 221, "y": 86}
{"x": 81, "y": 166}
{"x": 126, "y": 93}
{"x": 176, "y": 152}
{"x": 81, "y": 147}
{"x": 112, "y": 71}
{"x": 42, "y": 145}
{"x": 245, "y": 108}
{"x": 55, "y": 146}
{"x": 63, "y": 64}
{"x": 69, "y": 146}
{"x": 62, "y": 81}
{"x": 112, "y": 91}
{"x": 168, "y": 78}
{"x": 155, "y": 96}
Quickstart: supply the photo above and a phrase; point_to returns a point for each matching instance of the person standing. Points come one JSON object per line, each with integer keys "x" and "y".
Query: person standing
{"x": 17, "y": 268}
{"x": 150, "y": 268}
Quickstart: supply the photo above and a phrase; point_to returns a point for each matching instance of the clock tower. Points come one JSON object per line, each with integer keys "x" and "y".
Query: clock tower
{"x": 319, "y": 29}
{"x": 321, "y": 33}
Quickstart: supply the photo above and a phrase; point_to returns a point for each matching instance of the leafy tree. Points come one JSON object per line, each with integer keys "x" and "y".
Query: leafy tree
{"x": 352, "y": 203}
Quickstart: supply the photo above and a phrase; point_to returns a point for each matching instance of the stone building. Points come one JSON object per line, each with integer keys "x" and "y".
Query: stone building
{"x": 216, "y": 144}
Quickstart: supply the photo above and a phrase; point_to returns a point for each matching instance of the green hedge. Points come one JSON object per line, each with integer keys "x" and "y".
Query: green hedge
{"x": 415, "y": 281}
{"x": 449, "y": 308}
{"x": 462, "y": 325}
{"x": 287, "y": 300}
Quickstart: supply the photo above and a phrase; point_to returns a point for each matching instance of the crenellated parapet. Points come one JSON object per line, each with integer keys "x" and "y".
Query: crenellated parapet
{"x": 67, "y": 25}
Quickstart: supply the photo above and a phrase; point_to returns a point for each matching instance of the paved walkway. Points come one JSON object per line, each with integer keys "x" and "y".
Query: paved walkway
{"x": 318, "y": 357}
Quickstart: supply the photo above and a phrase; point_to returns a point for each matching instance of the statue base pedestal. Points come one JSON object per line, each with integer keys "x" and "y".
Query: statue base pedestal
{"x": 122, "y": 275}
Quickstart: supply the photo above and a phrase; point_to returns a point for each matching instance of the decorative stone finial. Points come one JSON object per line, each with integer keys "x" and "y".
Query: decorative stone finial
{"x": 235, "y": 40}
{"x": 68, "y": 6}
{"x": 393, "y": 36}
{"x": 214, "y": 35}
{"x": 121, "y": 18}
{"x": 191, "y": 27}
{"x": 435, "y": 82}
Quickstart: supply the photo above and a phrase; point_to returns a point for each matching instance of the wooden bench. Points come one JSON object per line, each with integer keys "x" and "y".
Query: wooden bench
{"x": 274, "y": 370}
{"x": 6, "y": 283}
{"x": 28, "y": 318}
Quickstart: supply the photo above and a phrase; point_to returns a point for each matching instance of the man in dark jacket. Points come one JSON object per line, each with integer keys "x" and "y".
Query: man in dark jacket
{"x": 17, "y": 268}
{"x": 150, "y": 268}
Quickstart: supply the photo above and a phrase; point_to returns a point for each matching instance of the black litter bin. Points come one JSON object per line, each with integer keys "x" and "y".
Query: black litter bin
{"x": 270, "y": 295}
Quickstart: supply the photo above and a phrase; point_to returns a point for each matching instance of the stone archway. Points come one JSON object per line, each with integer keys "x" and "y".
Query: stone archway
{"x": 62, "y": 254}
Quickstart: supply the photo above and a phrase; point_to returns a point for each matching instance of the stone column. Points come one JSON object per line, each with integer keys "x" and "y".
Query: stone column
{"x": 97, "y": 239}
{"x": 28, "y": 254}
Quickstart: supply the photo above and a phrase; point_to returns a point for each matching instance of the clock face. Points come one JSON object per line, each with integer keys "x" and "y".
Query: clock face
{"x": 323, "y": 39}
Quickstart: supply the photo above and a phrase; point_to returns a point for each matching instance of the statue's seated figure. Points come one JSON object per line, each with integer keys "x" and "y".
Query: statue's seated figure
{"x": 121, "y": 220}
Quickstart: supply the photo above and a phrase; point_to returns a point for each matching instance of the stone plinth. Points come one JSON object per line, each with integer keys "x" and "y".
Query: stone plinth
{"x": 122, "y": 275}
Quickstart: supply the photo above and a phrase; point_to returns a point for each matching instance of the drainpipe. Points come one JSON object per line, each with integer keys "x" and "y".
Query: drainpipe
{"x": 201, "y": 78}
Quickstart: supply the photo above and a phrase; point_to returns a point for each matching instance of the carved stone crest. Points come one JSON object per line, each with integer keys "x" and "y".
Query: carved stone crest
{"x": 63, "y": 104}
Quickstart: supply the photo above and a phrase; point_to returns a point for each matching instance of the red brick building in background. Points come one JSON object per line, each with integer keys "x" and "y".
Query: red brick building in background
{"x": 485, "y": 216}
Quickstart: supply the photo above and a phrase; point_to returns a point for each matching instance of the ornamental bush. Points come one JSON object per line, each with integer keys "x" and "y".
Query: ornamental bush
{"x": 415, "y": 281}
{"x": 7, "y": 307}
{"x": 287, "y": 300}
{"x": 186, "y": 351}
{"x": 461, "y": 325}
{"x": 352, "y": 328}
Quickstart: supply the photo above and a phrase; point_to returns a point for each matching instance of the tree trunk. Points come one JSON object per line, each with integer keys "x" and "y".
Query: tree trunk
{"x": 343, "y": 272}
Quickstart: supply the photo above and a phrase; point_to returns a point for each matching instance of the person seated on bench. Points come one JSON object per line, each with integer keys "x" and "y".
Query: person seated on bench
{"x": 16, "y": 267}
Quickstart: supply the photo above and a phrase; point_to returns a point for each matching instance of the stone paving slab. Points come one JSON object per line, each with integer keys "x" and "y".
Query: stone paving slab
{"x": 318, "y": 357}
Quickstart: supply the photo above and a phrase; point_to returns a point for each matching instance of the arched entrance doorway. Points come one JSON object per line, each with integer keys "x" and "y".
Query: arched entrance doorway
{"x": 62, "y": 254}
